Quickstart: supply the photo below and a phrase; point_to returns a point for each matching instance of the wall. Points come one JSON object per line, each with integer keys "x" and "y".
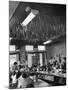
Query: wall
{"x": 58, "y": 47}
{"x": 34, "y": 58}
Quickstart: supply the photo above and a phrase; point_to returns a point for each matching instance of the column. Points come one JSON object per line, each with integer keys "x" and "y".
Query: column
{"x": 41, "y": 61}
{"x": 45, "y": 59}
{"x": 29, "y": 60}
{"x": 36, "y": 54}
{"x": 22, "y": 55}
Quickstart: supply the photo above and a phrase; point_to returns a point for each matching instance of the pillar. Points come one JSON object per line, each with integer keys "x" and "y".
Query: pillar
{"x": 40, "y": 57}
{"x": 45, "y": 59}
{"x": 22, "y": 55}
{"x": 29, "y": 60}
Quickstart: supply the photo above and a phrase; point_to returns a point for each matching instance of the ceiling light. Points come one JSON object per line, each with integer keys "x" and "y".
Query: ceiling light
{"x": 47, "y": 42}
{"x": 31, "y": 16}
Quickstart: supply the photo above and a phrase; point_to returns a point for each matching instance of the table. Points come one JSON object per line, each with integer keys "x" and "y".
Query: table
{"x": 56, "y": 78}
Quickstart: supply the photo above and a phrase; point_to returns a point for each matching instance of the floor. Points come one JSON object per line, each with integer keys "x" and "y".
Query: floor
{"x": 42, "y": 83}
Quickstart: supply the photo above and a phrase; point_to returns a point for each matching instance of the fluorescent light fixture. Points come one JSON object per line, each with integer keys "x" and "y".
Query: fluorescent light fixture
{"x": 32, "y": 15}
{"x": 47, "y": 42}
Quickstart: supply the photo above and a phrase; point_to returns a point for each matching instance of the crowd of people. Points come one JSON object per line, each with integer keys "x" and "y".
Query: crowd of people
{"x": 57, "y": 65}
{"x": 21, "y": 77}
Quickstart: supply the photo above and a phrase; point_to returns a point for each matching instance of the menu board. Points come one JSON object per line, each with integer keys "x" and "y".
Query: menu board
{"x": 41, "y": 47}
{"x": 29, "y": 47}
{"x": 12, "y": 48}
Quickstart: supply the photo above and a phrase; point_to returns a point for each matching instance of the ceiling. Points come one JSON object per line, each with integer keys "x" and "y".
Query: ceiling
{"x": 49, "y": 23}
{"x": 12, "y": 7}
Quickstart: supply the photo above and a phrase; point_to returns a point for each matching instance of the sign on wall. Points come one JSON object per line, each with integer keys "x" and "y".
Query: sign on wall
{"x": 29, "y": 47}
{"x": 41, "y": 47}
{"x": 12, "y": 48}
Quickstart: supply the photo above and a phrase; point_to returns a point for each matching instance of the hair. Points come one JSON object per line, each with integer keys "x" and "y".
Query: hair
{"x": 31, "y": 74}
{"x": 19, "y": 66}
{"x": 64, "y": 58}
{"x": 51, "y": 57}
{"x": 24, "y": 75}
{"x": 15, "y": 63}
{"x": 18, "y": 74}
{"x": 14, "y": 73}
